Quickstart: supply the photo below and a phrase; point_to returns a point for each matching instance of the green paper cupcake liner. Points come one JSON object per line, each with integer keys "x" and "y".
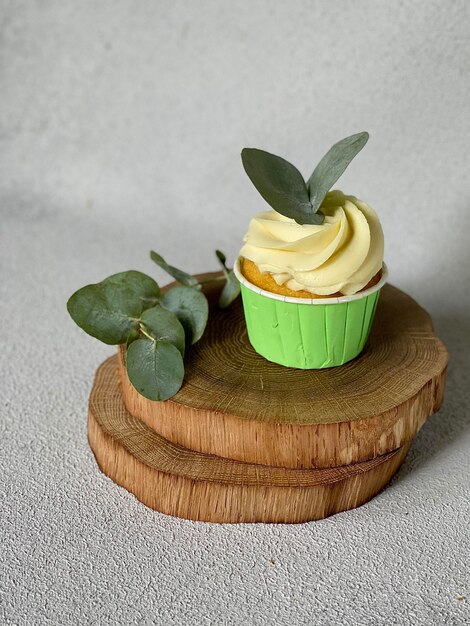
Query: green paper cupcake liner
{"x": 308, "y": 334}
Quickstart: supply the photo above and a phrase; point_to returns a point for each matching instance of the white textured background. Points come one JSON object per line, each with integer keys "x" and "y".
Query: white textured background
{"x": 121, "y": 127}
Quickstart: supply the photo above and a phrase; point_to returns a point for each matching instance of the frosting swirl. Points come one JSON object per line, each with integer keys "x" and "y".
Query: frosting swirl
{"x": 340, "y": 255}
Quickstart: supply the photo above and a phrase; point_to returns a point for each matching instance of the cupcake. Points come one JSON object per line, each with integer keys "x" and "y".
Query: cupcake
{"x": 310, "y": 269}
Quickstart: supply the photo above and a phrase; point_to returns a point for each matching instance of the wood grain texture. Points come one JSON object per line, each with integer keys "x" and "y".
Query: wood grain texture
{"x": 180, "y": 482}
{"x": 237, "y": 405}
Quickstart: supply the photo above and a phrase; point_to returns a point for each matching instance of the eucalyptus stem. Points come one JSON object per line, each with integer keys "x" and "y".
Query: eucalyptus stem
{"x": 217, "y": 279}
{"x": 144, "y": 332}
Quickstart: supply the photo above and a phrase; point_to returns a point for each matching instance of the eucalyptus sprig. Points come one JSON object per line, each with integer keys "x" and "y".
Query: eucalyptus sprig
{"x": 283, "y": 187}
{"x": 128, "y": 308}
{"x": 231, "y": 288}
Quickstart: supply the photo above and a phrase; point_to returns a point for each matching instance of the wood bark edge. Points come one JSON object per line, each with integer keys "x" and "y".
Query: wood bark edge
{"x": 286, "y": 445}
{"x": 195, "y": 486}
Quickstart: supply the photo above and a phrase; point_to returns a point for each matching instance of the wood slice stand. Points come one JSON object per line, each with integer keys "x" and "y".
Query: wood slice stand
{"x": 246, "y": 440}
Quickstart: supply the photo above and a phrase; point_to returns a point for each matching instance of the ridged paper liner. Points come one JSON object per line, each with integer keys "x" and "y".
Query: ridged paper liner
{"x": 310, "y": 335}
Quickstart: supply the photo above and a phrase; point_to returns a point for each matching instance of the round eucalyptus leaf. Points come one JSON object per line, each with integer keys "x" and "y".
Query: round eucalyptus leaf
{"x": 155, "y": 368}
{"x": 230, "y": 291}
{"x": 182, "y": 277}
{"x": 110, "y": 310}
{"x": 190, "y": 307}
{"x": 163, "y": 324}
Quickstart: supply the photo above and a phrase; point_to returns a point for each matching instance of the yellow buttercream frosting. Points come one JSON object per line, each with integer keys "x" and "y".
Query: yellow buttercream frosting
{"x": 340, "y": 255}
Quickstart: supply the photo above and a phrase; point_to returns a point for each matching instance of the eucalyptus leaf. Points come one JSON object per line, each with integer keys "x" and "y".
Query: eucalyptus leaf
{"x": 155, "y": 368}
{"x": 179, "y": 275}
{"x": 110, "y": 310}
{"x": 133, "y": 335}
{"x": 280, "y": 184}
{"x": 231, "y": 289}
{"x": 230, "y": 292}
{"x": 160, "y": 324}
{"x": 332, "y": 165}
{"x": 222, "y": 258}
{"x": 190, "y": 307}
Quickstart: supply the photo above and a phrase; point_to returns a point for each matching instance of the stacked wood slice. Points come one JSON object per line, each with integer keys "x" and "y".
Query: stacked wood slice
{"x": 246, "y": 440}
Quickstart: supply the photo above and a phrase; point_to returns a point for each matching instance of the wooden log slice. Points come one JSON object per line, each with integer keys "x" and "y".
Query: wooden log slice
{"x": 180, "y": 482}
{"x": 236, "y": 404}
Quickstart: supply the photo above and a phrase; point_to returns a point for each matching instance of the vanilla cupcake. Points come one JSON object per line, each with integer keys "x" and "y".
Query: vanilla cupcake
{"x": 310, "y": 270}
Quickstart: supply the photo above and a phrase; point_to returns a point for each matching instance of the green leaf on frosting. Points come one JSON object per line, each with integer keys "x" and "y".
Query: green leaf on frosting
{"x": 332, "y": 166}
{"x": 283, "y": 187}
{"x": 280, "y": 184}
